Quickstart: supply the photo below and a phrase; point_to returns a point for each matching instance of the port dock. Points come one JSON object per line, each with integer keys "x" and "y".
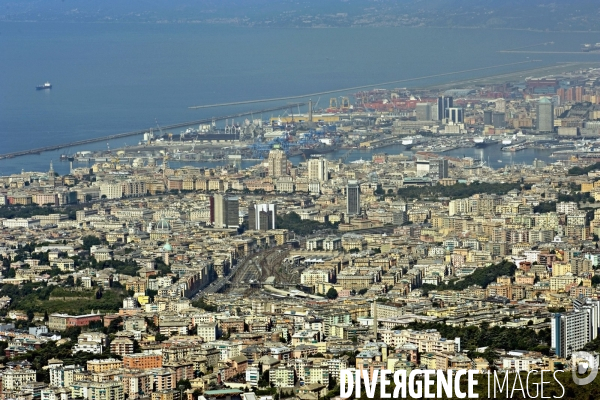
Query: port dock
{"x": 141, "y": 132}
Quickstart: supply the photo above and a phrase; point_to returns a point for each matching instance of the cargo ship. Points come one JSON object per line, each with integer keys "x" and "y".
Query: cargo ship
{"x": 590, "y": 47}
{"x": 309, "y": 151}
{"x": 46, "y": 85}
{"x": 481, "y": 141}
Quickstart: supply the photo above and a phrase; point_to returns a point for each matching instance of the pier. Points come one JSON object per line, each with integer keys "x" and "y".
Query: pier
{"x": 141, "y": 132}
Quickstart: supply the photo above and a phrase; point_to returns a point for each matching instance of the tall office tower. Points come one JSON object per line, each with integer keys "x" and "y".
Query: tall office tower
{"x": 422, "y": 167}
{"x": 487, "y": 117}
{"x": 499, "y": 120}
{"x": 217, "y": 211}
{"x": 211, "y": 210}
{"x": 251, "y": 216}
{"x": 318, "y": 170}
{"x": 353, "y": 198}
{"x": 443, "y": 103}
{"x": 423, "y": 112}
{"x": 455, "y": 115}
{"x": 262, "y": 217}
{"x": 375, "y": 320}
{"x": 232, "y": 212}
{"x": 545, "y": 115}
{"x": 501, "y": 105}
{"x": 277, "y": 163}
{"x": 438, "y": 168}
{"x": 226, "y": 211}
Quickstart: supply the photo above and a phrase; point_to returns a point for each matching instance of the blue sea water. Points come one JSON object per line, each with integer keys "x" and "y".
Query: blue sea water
{"x": 114, "y": 77}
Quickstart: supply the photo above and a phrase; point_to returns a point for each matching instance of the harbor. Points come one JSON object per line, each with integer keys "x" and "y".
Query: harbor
{"x": 141, "y": 132}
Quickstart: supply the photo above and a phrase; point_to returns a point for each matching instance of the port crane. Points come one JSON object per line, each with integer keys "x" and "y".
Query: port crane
{"x": 316, "y": 104}
{"x": 345, "y": 102}
{"x": 333, "y": 103}
{"x": 159, "y": 128}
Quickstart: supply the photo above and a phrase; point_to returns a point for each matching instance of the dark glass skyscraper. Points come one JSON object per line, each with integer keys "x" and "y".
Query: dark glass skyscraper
{"x": 353, "y": 198}
{"x": 443, "y": 103}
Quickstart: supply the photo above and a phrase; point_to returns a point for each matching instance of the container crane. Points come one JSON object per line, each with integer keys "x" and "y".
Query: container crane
{"x": 159, "y": 128}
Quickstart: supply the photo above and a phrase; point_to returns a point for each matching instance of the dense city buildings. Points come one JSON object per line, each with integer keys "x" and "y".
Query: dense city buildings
{"x": 357, "y": 240}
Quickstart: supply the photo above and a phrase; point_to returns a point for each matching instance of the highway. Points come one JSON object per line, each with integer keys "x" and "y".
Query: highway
{"x": 219, "y": 283}
{"x": 141, "y": 132}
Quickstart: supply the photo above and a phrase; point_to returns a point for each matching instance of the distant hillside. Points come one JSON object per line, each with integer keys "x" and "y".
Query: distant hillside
{"x": 574, "y": 15}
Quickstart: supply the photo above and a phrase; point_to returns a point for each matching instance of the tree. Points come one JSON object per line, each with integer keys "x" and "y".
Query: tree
{"x": 332, "y": 381}
{"x": 185, "y": 383}
{"x": 293, "y": 222}
{"x": 491, "y": 355}
{"x": 72, "y": 333}
{"x": 160, "y": 337}
{"x": 264, "y": 379}
{"x": 89, "y": 241}
{"x": 363, "y": 291}
{"x": 114, "y": 326}
{"x": 332, "y": 294}
{"x": 200, "y": 303}
{"x": 481, "y": 277}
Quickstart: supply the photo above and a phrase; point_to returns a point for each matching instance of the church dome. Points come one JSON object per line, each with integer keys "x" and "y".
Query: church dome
{"x": 167, "y": 247}
{"x": 163, "y": 225}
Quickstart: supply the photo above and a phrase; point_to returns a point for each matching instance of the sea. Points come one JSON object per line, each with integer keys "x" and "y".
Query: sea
{"x": 109, "y": 78}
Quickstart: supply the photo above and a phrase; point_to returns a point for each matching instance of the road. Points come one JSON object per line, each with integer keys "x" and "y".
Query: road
{"x": 219, "y": 283}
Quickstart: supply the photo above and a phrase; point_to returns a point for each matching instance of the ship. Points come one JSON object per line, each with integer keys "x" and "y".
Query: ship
{"x": 309, "y": 151}
{"x": 482, "y": 141}
{"x": 590, "y": 47}
{"x": 46, "y": 85}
